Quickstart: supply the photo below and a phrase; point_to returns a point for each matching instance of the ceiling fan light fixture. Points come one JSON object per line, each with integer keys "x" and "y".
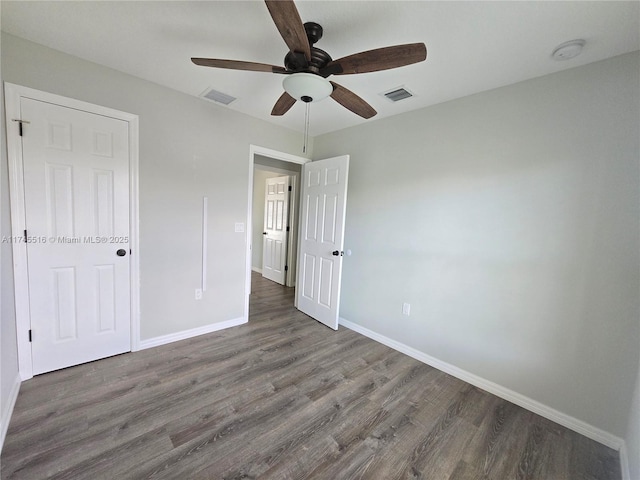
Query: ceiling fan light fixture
{"x": 307, "y": 87}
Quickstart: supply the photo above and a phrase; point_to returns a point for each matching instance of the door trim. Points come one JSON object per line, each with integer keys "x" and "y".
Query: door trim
{"x": 13, "y": 93}
{"x": 265, "y": 152}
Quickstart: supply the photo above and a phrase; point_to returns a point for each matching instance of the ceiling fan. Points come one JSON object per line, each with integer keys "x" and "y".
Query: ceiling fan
{"x": 307, "y": 67}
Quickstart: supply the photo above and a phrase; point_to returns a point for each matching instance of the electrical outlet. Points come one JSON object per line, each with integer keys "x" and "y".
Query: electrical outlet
{"x": 198, "y": 294}
{"x": 406, "y": 309}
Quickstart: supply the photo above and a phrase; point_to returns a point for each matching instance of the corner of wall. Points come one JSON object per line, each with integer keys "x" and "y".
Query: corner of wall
{"x": 630, "y": 451}
{"x": 624, "y": 462}
{"x": 9, "y": 375}
{"x": 7, "y": 409}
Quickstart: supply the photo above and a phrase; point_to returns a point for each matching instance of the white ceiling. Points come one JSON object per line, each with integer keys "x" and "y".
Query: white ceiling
{"x": 472, "y": 46}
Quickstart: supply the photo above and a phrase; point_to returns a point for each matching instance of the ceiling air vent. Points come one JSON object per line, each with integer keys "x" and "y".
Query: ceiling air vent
{"x": 398, "y": 94}
{"x": 218, "y": 97}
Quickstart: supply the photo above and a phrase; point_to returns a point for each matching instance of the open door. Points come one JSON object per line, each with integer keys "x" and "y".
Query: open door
{"x": 322, "y": 217}
{"x": 276, "y": 228}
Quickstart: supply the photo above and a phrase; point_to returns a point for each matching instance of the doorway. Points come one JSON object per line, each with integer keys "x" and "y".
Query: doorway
{"x": 321, "y": 215}
{"x": 267, "y": 226}
{"x": 266, "y": 163}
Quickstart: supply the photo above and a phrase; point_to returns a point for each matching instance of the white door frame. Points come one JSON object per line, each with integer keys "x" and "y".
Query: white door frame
{"x": 13, "y": 94}
{"x": 264, "y": 152}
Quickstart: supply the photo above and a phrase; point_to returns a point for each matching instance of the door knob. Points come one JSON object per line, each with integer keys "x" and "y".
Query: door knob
{"x": 337, "y": 253}
{"x": 264, "y": 233}
{"x": 121, "y": 253}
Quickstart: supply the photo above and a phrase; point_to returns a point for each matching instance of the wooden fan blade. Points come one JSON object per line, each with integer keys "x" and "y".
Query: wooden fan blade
{"x": 284, "y": 103}
{"x": 238, "y": 65}
{"x": 351, "y": 101}
{"x": 378, "y": 59}
{"x": 287, "y": 19}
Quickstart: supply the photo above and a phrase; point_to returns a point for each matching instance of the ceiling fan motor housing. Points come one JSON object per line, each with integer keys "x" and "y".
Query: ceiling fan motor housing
{"x": 296, "y": 61}
{"x": 314, "y": 32}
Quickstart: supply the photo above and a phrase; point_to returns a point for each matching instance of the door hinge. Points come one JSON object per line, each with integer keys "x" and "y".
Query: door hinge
{"x": 290, "y": 188}
{"x": 30, "y": 336}
{"x": 20, "y": 122}
{"x": 286, "y": 268}
{"x": 25, "y": 235}
{"x": 287, "y": 229}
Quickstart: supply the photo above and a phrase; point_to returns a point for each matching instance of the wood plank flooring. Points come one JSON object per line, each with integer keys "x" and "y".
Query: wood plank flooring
{"x": 282, "y": 397}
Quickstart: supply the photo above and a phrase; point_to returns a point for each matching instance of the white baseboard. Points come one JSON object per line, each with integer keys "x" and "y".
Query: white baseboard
{"x": 257, "y": 270}
{"x": 194, "y": 332}
{"x": 7, "y": 411}
{"x": 534, "y": 406}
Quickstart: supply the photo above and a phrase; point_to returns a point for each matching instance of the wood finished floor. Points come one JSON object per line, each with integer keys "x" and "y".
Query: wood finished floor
{"x": 282, "y": 397}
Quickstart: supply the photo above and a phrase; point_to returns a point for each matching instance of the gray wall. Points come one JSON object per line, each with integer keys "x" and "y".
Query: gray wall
{"x": 632, "y": 438}
{"x": 509, "y": 220}
{"x": 189, "y": 148}
{"x": 8, "y": 345}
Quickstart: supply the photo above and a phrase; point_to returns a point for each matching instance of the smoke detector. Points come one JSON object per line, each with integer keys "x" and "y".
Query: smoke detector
{"x": 568, "y": 50}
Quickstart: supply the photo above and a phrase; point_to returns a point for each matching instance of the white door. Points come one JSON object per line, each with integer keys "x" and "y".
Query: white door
{"x": 324, "y": 202}
{"x": 76, "y": 181}
{"x": 276, "y": 214}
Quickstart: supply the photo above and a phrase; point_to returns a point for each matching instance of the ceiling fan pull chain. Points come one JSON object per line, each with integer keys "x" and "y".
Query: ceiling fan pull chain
{"x": 306, "y": 128}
